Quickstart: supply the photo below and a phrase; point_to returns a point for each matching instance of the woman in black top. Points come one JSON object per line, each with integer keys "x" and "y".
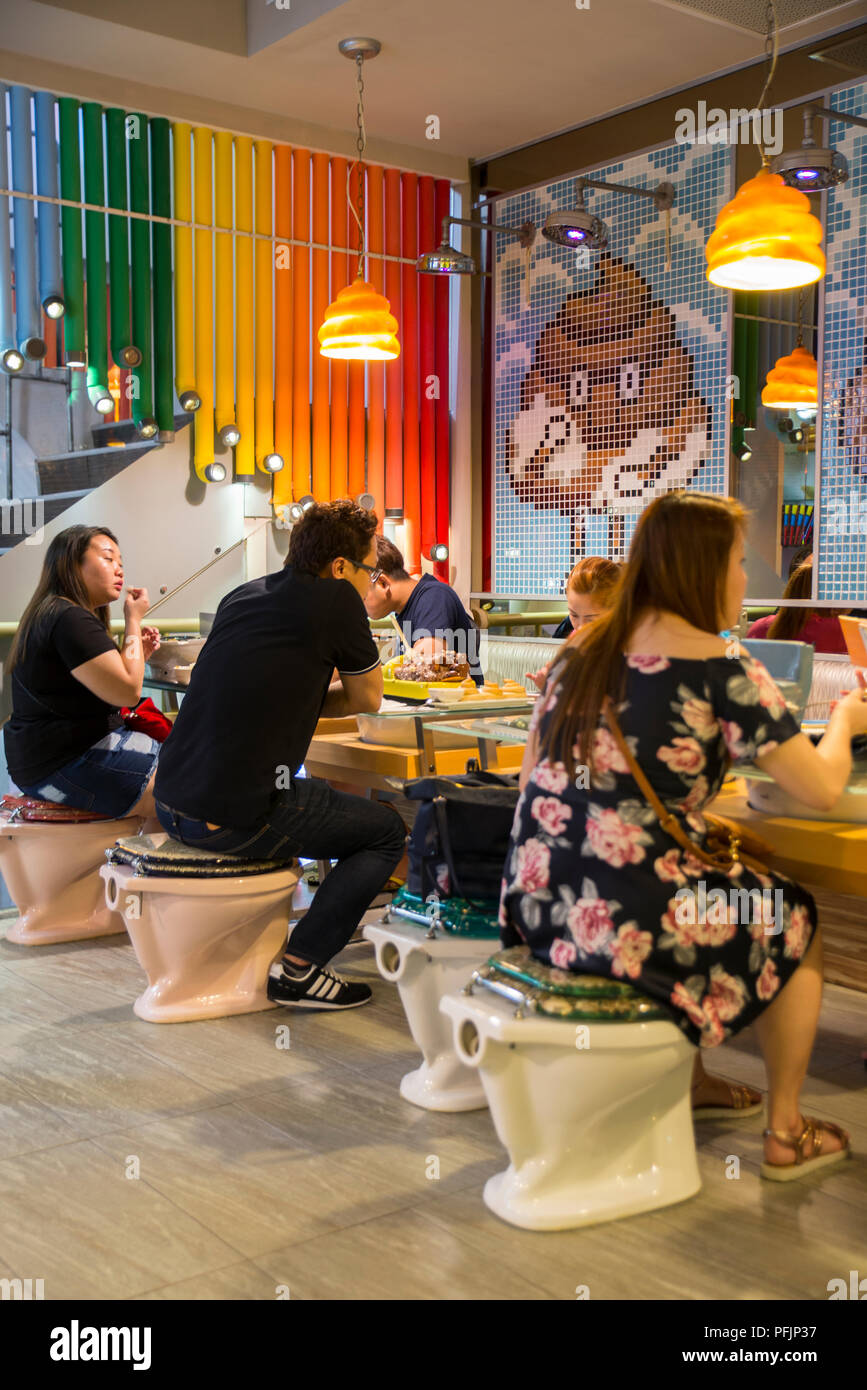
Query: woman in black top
{"x": 65, "y": 741}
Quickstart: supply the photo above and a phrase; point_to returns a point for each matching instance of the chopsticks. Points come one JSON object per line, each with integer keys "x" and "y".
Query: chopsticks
{"x": 399, "y": 630}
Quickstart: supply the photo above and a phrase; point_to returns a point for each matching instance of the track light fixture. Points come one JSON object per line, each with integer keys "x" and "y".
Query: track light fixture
{"x": 53, "y": 306}
{"x": 367, "y": 501}
{"x": 130, "y": 356}
{"x": 12, "y": 361}
{"x": 190, "y": 401}
{"x": 578, "y": 227}
{"x": 101, "y": 400}
{"x": 272, "y": 463}
{"x": 445, "y": 260}
{"x": 214, "y": 472}
{"x": 34, "y": 349}
{"x": 439, "y": 551}
{"x": 147, "y": 427}
{"x": 230, "y": 435}
{"x": 813, "y": 168}
{"x": 742, "y": 452}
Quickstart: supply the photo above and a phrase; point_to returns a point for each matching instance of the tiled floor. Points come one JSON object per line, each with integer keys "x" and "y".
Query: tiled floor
{"x": 208, "y": 1161}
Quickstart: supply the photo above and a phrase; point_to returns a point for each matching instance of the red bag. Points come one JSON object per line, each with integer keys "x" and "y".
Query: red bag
{"x": 147, "y": 719}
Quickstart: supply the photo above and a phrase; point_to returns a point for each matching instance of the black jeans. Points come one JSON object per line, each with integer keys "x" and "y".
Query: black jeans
{"x": 312, "y": 820}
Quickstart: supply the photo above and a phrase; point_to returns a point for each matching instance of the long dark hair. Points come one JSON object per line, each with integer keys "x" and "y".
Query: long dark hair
{"x": 789, "y": 623}
{"x": 60, "y": 579}
{"x": 678, "y": 563}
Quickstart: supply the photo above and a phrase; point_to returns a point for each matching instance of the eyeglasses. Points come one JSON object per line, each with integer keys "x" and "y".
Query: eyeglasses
{"x": 371, "y": 570}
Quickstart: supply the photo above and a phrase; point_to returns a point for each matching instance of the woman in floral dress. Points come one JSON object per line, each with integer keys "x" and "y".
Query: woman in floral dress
{"x": 595, "y": 885}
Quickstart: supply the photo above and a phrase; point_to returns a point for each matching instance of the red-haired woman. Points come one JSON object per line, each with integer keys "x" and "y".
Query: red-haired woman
{"x": 592, "y": 877}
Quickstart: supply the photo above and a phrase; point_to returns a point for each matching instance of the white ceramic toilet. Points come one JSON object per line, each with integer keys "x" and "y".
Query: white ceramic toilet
{"x": 426, "y": 962}
{"x": 596, "y": 1117}
{"x": 51, "y": 869}
{"x": 205, "y": 927}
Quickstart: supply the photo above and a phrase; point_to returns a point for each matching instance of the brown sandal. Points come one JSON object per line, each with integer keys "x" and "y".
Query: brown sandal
{"x": 811, "y": 1133}
{"x": 742, "y": 1105}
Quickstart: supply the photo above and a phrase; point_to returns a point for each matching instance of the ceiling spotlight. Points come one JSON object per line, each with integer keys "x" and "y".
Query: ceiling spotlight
{"x": 11, "y": 360}
{"x": 445, "y": 260}
{"x": 34, "y": 348}
{"x": 742, "y": 452}
{"x": 101, "y": 400}
{"x": 812, "y": 168}
{"x": 296, "y": 511}
{"x": 577, "y": 228}
{"x": 190, "y": 400}
{"x": 272, "y": 463}
{"x": 53, "y": 306}
{"x": 796, "y": 436}
{"x": 439, "y": 551}
{"x": 147, "y": 427}
{"x": 367, "y": 501}
{"x": 130, "y": 357}
{"x": 215, "y": 472}
{"x": 786, "y": 424}
{"x": 230, "y": 435}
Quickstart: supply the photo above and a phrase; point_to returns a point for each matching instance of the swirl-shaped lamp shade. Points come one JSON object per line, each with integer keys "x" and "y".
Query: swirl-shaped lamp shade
{"x": 766, "y": 238}
{"x": 359, "y": 326}
{"x": 793, "y": 382}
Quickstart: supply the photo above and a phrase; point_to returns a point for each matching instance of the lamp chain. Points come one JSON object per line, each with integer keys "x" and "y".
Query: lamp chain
{"x": 800, "y": 342}
{"x": 771, "y": 42}
{"x": 360, "y": 145}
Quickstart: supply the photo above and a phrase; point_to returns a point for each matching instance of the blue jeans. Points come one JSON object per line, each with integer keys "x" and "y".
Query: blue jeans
{"x": 311, "y": 820}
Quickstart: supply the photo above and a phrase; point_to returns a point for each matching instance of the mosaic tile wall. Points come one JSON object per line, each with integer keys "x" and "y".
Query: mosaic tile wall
{"x": 843, "y": 472}
{"x": 609, "y": 367}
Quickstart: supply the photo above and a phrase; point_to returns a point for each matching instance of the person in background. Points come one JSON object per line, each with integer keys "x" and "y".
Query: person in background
{"x": 589, "y": 593}
{"x": 66, "y": 741}
{"x": 431, "y": 615}
{"x": 817, "y": 626}
{"x": 228, "y": 776}
{"x": 596, "y": 884}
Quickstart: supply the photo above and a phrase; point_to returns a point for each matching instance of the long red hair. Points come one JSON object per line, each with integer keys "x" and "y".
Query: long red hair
{"x": 678, "y": 563}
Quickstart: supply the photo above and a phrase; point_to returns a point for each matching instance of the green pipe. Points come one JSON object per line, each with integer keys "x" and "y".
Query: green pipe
{"x": 139, "y": 200}
{"x": 161, "y": 236}
{"x": 70, "y": 222}
{"x": 118, "y": 238}
{"x": 94, "y": 242}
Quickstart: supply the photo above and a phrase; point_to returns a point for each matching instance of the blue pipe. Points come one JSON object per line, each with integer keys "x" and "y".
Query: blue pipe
{"x": 8, "y": 351}
{"x": 28, "y": 315}
{"x": 48, "y": 215}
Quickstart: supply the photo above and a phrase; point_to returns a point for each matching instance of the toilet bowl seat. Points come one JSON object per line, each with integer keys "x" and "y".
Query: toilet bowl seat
{"x": 159, "y": 864}
{"x": 530, "y": 984}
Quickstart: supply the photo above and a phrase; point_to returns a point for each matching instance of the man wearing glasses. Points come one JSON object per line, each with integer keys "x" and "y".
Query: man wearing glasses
{"x": 227, "y": 779}
{"x": 431, "y": 615}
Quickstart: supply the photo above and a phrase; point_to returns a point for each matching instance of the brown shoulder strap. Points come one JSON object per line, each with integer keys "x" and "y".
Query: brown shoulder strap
{"x": 669, "y": 822}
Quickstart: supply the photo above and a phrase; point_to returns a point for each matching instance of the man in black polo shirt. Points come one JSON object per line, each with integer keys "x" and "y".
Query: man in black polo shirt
{"x": 430, "y": 613}
{"x": 227, "y": 776}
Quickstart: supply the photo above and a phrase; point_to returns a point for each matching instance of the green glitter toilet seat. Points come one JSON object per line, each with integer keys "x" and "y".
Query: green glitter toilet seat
{"x": 537, "y": 988}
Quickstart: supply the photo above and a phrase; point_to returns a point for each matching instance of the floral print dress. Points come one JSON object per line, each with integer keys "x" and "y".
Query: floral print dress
{"x": 595, "y": 885}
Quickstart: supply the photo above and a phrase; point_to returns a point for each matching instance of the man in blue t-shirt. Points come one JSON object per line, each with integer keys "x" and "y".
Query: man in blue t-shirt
{"x": 430, "y": 613}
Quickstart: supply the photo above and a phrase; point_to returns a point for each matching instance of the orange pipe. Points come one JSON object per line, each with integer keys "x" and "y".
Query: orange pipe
{"x": 375, "y": 372}
{"x": 245, "y": 408}
{"x": 203, "y": 245}
{"x": 409, "y": 355}
{"x": 339, "y": 378}
{"x": 301, "y": 323}
{"x": 321, "y": 488}
{"x": 393, "y": 370}
{"x": 357, "y": 470}
{"x": 264, "y": 257}
{"x": 283, "y": 322}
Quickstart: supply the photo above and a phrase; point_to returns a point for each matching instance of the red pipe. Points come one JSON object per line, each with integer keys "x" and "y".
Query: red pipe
{"x": 442, "y": 201}
{"x": 357, "y": 469}
{"x": 410, "y": 357}
{"x": 393, "y": 370}
{"x": 321, "y": 412}
{"x": 427, "y": 241}
{"x": 375, "y": 371}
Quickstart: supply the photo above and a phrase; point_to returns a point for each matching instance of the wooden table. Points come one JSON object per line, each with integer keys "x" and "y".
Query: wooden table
{"x": 343, "y": 757}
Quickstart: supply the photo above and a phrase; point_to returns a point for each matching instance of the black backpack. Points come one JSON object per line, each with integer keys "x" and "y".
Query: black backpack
{"x": 459, "y": 842}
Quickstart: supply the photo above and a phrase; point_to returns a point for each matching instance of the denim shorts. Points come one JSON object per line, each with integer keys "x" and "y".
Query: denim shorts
{"x": 109, "y": 778}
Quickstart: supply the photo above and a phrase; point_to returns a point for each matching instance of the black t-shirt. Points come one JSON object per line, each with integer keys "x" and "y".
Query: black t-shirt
{"x": 256, "y": 692}
{"x": 54, "y": 717}
{"x": 433, "y": 609}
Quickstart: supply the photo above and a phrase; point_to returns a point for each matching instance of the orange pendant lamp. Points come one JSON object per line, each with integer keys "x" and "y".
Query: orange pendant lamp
{"x": 766, "y": 238}
{"x": 359, "y": 325}
{"x": 793, "y": 382}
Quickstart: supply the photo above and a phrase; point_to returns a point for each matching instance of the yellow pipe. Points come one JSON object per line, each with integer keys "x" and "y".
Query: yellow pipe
{"x": 203, "y": 444}
{"x": 245, "y": 452}
{"x": 264, "y": 306}
{"x": 185, "y": 365}
{"x": 224, "y": 287}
